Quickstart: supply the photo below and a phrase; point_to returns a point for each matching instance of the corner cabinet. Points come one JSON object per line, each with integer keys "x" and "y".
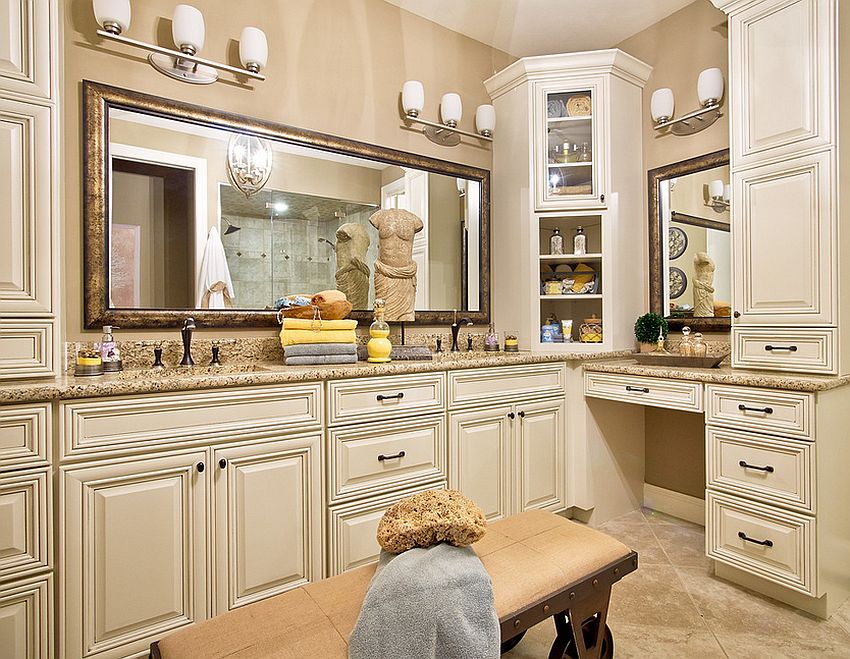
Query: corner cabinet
{"x": 788, "y": 158}
{"x": 567, "y": 159}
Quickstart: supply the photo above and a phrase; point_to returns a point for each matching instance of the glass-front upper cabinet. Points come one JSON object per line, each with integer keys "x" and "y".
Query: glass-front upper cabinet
{"x": 569, "y": 149}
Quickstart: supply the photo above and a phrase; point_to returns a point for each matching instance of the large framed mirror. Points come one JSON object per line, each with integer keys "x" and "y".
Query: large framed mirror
{"x": 690, "y": 266}
{"x": 165, "y": 214}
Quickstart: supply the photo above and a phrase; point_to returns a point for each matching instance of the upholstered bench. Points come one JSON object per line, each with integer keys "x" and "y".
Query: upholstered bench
{"x": 541, "y": 566}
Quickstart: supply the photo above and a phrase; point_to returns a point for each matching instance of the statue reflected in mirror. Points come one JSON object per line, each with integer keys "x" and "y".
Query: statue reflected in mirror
{"x": 703, "y": 285}
{"x": 395, "y": 269}
{"x": 352, "y": 270}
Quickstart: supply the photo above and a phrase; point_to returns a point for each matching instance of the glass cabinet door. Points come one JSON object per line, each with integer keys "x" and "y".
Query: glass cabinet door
{"x": 569, "y": 149}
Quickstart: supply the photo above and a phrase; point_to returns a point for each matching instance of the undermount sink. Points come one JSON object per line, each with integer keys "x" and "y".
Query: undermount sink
{"x": 190, "y": 371}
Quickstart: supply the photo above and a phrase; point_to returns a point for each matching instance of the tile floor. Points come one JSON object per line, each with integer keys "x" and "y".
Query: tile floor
{"x": 673, "y": 607}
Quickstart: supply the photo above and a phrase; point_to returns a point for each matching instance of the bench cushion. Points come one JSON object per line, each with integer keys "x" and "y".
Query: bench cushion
{"x": 529, "y": 557}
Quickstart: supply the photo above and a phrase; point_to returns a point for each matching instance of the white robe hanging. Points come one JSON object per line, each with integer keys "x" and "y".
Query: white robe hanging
{"x": 215, "y": 288}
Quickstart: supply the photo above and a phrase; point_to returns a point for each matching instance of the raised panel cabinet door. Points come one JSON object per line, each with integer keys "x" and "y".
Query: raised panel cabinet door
{"x": 25, "y": 524}
{"x": 268, "y": 519}
{"x": 539, "y": 455}
{"x": 480, "y": 457}
{"x": 26, "y": 31}
{"x": 784, "y": 243}
{"x": 781, "y": 83}
{"x": 26, "y": 235}
{"x": 25, "y": 618}
{"x": 133, "y": 552}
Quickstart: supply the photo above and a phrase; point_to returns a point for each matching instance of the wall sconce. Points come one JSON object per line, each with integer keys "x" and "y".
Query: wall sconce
{"x": 188, "y": 32}
{"x": 710, "y": 91}
{"x": 249, "y": 163}
{"x": 451, "y": 111}
{"x": 719, "y": 196}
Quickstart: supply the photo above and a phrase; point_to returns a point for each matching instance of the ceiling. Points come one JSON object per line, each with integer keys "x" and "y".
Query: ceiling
{"x": 544, "y": 27}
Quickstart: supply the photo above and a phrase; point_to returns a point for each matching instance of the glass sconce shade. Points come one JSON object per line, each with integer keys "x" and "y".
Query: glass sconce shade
{"x": 727, "y": 193}
{"x": 715, "y": 189}
{"x": 485, "y": 120}
{"x": 710, "y": 86}
{"x": 253, "y": 49}
{"x": 187, "y": 28}
{"x": 249, "y": 162}
{"x": 662, "y": 104}
{"x": 461, "y": 185}
{"x": 113, "y": 15}
{"x": 413, "y": 97}
{"x": 451, "y": 109}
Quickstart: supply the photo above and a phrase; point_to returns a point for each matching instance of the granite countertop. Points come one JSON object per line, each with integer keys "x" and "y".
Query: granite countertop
{"x": 725, "y": 374}
{"x": 172, "y": 379}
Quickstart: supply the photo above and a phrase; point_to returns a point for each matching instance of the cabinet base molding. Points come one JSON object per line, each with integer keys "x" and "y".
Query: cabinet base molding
{"x": 822, "y": 607}
{"x": 676, "y": 504}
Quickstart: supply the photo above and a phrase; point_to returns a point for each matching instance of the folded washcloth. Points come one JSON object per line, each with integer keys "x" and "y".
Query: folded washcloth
{"x": 315, "y": 360}
{"x": 290, "y": 337}
{"x": 318, "y": 325}
{"x": 309, "y": 349}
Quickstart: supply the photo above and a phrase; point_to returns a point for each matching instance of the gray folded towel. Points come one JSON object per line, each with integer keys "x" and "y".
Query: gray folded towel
{"x": 315, "y": 360}
{"x": 309, "y": 349}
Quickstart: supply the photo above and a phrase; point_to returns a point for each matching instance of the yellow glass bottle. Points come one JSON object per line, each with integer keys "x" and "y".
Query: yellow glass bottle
{"x": 379, "y": 347}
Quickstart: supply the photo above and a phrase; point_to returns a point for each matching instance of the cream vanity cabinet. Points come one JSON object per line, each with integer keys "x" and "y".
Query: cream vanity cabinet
{"x": 507, "y": 441}
{"x": 194, "y": 504}
{"x": 569, "y": 157}
{"x": 784, "y": 66}
{"x": 29, "y": 160}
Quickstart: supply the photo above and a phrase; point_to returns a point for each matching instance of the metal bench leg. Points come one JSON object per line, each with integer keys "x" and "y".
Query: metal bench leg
{"x": 581, "y": 629}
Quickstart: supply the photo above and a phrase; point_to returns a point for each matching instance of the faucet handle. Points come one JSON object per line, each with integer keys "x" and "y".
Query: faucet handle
{"x": 189, "y": 323}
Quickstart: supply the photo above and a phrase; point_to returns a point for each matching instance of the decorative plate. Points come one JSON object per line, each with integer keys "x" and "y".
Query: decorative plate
{"x": 678, "y": 243}
{"x": 678, "y": 282}
{"x": 580, "y": 106}
{"x": 555, "y": 109}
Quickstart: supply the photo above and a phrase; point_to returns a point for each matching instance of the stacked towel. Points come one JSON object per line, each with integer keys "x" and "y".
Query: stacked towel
{"x": 308, "y": 342}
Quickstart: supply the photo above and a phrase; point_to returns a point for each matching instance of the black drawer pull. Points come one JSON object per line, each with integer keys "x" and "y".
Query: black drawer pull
{"x": 768, "y": 468}
{"x": 222, "y": 463}
{"x": 785, "y": 348}
{"x": 763, "y": 543}
{"x": 642, "y": 390}
{"x": 383, "y": 457}
{"x": 397, "y": 396}
{"x": 511, "y": 416}
{"x": 763, "y": 410}
{"x": 200, "y": 467}
{"x": 521, "y": 414}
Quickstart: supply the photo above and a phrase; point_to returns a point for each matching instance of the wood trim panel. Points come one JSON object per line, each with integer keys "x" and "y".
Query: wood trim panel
{"x": 26, "y": 436}
{"x": 25, "y": 505}
{"x": 26, "y": 349}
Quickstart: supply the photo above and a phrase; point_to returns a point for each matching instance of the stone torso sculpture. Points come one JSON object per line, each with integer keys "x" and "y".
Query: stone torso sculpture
{"x": 352, "y": 271}
{"x": 703, "y": 285}
{"x": 395, "y": 269}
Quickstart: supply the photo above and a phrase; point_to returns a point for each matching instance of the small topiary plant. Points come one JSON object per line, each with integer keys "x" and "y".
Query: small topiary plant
{"x": 648, "y": 327}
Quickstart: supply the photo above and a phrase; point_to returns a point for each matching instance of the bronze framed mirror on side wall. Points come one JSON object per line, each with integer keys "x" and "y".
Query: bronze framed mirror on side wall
{"x": 689, "y": 243}
{"x": 164, "y": 214}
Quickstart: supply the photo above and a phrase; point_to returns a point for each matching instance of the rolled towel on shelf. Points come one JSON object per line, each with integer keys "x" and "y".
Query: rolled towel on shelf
{"x": 320, "y": 360}
{"x": 310, "y": 349}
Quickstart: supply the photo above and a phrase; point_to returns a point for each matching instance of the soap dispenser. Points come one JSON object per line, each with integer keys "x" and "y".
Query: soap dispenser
{"x": 379, "y": 347}
{"x": 109, "y": 352}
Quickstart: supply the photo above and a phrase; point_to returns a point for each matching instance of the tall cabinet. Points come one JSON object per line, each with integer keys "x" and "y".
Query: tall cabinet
{"x": 786, "y": 157}
{"x": 29, "y": 184}
{"x": 568, "y": 157}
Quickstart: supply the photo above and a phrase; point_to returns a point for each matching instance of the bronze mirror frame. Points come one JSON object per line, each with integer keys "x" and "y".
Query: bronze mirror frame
{"x": 656, "y": 247}
{"x": 97, "y": 101}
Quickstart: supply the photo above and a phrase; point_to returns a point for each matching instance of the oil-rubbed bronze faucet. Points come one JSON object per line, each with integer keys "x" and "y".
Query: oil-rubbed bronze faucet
{"x": 456, "y": 329}
{"x": 186, "y": 333}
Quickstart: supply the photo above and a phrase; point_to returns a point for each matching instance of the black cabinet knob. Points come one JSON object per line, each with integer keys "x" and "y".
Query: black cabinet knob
{"x": 200, "y": 467}
{"x": 222, "y": 463}
{"x": 511, "y": 416}
{"x": 521, "y": 415}
{"x": 737, "y": 314}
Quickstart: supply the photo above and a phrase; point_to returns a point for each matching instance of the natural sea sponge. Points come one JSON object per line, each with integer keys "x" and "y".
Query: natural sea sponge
{"x": 429, "y": 518}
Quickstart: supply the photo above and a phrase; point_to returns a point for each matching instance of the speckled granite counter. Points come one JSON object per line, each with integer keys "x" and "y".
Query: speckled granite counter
{"x": 723, "y": 375}
{"x": 259, "y": 373}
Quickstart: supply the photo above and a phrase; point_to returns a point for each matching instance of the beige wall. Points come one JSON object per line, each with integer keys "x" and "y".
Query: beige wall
{"x": 678, "y": 48}
{"x": 335, "y": 66}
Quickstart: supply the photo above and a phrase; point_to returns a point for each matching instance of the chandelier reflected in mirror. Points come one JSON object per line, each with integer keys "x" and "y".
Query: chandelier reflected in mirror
{"x": 249, "y": 162}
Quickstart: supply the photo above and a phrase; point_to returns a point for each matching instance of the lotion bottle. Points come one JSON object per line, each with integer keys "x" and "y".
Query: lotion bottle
{"x": 379, "y": 347}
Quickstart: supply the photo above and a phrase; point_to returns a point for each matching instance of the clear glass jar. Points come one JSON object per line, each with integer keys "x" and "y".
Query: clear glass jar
{"x": 580, "y": 242}
{"x": 700, "y": 348}
{"x": 556, "y": 243}
{"x": 686, "y": 347}
{"x": 585, "y": 154}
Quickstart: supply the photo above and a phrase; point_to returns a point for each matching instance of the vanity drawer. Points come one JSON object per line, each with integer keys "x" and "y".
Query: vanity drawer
{"x": 772, "y": 411}
{"x": 25, "y": 523}
{"x": 803, "y": 350}
{"x": 773, "y": 470}
{"x": 506, "y": 383}
{"x": 369, "y": 399}
{"x": 655, "y": 392}
{"x": 26, "y": 613}
{"x": 374, "y": 458}
{"x": 774, "y": 544}
{"x": 24, "y": 433}
{"x": 353, "y": 529}
{"x": 96, "y": 426}
{"x": 26, "y": 349}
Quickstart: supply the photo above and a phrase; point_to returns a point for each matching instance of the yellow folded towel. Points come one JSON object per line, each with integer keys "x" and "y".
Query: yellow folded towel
{"x": 323, "y": 325}
{"x": 291, "y": 337}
